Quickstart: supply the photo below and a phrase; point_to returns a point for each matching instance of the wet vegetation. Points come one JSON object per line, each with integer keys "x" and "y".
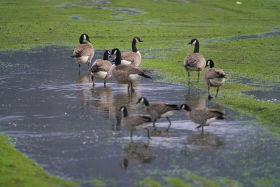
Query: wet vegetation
{"x": 223, "y": 28}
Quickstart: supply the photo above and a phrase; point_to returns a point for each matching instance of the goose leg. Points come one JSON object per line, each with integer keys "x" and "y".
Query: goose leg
{"x": 131, "y": 87}
{"x": 131, "y": 134}
{"x": 154, "y": 124}
{"x": 128, "y": 87}
{"x": 217, "y": 91}
{"x": 104, "y": 83}
{"x": 209, "y": 96}
{"x": 148, "y": 133}
{"x": 79, "y": 68}
{"x": 198, "y": 75}
{"x": 189, "y": 75}
{"x": 92, "y": 78}
{"x": 169, "y": 124}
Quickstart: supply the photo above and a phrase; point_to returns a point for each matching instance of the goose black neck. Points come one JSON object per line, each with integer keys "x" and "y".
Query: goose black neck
{"x": 125, "y": 113}
{"x": 134, "y": 49}
{"x": 196, "y": 47}
{"x": 146, "y": 102}
{"x": 106, "y": 55}
{"x": 211, "y": 64}
{"x": 118, "y": 58}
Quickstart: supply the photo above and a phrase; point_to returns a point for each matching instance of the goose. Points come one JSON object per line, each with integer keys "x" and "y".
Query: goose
{"x": 214, "y": 77}
{"x": 134, "y": 122}
{"x": 194, "y": 61}
{"x": 132, "y": 57}
{"x": 202, "y": 116}
{"x": 158, "y": 110}
{"x": 125, "y": 74}
{"x": 83, "y": 52}
{"x": 100, "y": 68}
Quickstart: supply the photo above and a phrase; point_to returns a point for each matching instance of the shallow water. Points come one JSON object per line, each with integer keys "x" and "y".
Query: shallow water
{"x": 73, "y": 130}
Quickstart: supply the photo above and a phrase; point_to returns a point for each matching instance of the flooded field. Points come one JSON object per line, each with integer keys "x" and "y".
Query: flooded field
{"x": 55, "y": 117}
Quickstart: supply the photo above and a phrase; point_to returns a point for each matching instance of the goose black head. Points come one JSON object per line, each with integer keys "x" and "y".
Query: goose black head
{"x": 84, "y": 38}
{"x": 143, "y": 100}
{"x": 137, "y": 39}
{"x": 185, "y": 107}
{"x": 210, "y": 63}
{"x": 193, "y": 42}
{"x": 124, "y": 112}
{"x": 118, "y": 58}
{"x": 106, "y": 55}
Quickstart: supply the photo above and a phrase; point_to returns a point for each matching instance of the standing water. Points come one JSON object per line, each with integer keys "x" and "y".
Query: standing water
{"x": 73, "y": 130}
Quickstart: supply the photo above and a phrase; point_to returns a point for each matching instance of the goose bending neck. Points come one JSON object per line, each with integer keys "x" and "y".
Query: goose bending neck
{"x": 196, "y": 47}
{"x": 118, "y": 58}
{"x": 134, "y": 49}
{"x": 146, "y": 102}
{"x": 124, "y": 112}
{"x": 106, "y": 56}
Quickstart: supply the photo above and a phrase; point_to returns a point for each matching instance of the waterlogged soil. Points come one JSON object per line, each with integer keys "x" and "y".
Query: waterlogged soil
{"x": 54, "y": 116}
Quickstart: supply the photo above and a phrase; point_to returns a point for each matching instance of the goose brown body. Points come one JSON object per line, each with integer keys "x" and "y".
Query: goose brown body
{"x": 202, "y": 116}
{"x": 101, "y": 67}
{"x": 159, "y": 110}
{"x": 125, "y": 74}
{"x": 134, "y": 122}
{"x": 194, "y": 61}
{"x": 132, "y": 57}
{"x": 214, "y": 77}
{"x": 83, "y": 52}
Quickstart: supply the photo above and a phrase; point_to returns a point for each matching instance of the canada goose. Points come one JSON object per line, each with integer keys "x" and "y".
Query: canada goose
{"x": 158, "y": 110}
{"x": 83, "y": 52}
{"x": 132, "y": 57}
{"x": 214, "y": 77}
{"x": 125, "y": 74}
{"x": 202, "y": 116}
{"x": 194, "y": 61}
{"x": 100, "y": 68}
{"x": 135, "y": 122}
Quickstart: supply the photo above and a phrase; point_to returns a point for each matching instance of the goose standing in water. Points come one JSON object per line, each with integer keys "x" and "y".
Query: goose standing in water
{"x": 100, "y": 68}
{"x": 132, "y": 57}
{"x": 125, "y": 74}
{"x": 194, "y": 61}
{"x": 135, "y": 122}
{"x": 83, "y": 52}
{"x": 202, "y": 116}
{"x": 159, "y": 110}
{"x": 214, "y": 77}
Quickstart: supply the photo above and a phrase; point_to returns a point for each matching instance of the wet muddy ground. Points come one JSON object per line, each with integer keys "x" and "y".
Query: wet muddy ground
{"x": 54, "y": 116}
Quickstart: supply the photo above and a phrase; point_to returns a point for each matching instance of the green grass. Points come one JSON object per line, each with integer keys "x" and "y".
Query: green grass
{"x": 166, "y": 27}
{"x": 17, "y": 170}
{"x": 189, "y": 179}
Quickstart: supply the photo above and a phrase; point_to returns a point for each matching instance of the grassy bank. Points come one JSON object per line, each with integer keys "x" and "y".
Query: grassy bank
{"x": 18, "y": 170}
{"x": 166, "y": 27}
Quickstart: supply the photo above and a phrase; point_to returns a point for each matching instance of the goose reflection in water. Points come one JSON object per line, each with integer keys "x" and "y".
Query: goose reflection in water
{"x": 83, "y": 87}
{"x": 205, "y": 140}
{"x": 103, "y": 100}
{"x": 135, "y": 152}
{"x": 125, "y": 99}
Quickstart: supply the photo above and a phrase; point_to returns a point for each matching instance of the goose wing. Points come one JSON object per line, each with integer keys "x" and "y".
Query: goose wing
{"x": 83, "y": 50}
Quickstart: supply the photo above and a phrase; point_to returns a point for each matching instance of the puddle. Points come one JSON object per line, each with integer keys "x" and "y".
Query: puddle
{"x": 73, "y": 130}
{"x": 270, "y": 95}
{"x": 128, "y": 11}
{"x": 274, "y": 33}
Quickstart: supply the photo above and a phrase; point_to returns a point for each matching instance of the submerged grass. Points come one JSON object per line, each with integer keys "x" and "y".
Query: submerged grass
{"x": 166, "y": 27}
